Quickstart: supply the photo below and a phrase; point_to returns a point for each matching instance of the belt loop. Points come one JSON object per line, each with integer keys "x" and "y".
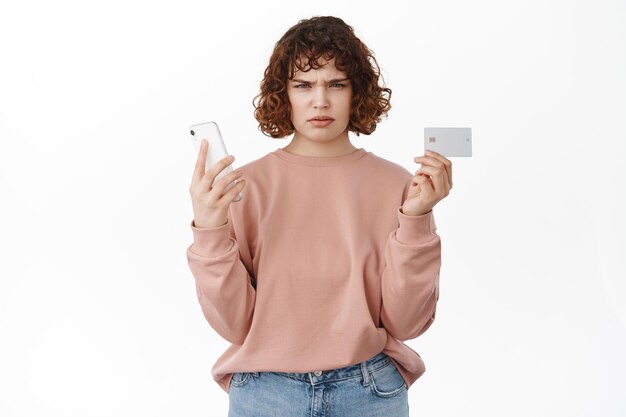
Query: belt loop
{"x": 366, "y": 375}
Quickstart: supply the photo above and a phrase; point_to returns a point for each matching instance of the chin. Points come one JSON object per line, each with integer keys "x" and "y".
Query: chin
{"x": 324, "y": 136}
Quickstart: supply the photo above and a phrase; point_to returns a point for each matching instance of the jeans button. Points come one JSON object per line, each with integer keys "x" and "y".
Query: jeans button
{"x": 317, "y": 373}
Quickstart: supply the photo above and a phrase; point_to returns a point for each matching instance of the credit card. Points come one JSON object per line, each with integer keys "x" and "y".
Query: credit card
{"x": 449, "y": 141}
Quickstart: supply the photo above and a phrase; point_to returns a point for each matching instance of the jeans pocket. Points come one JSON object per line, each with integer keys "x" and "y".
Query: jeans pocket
{"x": 240, "y": 379}
{"x": 387, "y": 381}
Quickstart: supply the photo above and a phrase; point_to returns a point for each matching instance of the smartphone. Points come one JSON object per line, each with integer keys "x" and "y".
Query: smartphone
{"x": 217, "y": 150}
{"x": 448, "y": 141}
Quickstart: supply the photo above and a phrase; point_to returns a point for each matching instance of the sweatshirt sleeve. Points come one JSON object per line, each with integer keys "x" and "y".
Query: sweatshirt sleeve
{"x": 410, "y": 280}
{"x": 222, "y": 266}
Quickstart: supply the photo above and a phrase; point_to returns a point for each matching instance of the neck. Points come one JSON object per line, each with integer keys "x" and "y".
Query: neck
{"x": 307, "y": 147}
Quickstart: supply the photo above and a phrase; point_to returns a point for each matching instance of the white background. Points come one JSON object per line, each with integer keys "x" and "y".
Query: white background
{"x": 98, "y": 310}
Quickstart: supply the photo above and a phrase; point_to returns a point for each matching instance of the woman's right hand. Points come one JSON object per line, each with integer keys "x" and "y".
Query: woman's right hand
{"x": 210, "y": 207}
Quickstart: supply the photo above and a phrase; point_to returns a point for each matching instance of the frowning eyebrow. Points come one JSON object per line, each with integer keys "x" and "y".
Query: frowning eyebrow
{"x": 331, "y": 81}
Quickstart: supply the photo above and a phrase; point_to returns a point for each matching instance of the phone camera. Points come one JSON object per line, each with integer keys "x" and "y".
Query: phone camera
{"x": 193, "y": 133}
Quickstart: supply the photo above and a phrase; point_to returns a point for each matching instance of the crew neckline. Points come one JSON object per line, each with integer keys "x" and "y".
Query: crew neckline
{"x": 319, "y": 160}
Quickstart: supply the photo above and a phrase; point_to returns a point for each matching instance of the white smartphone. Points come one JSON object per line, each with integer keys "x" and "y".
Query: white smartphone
{"x": 448, "y": 141}
{"x": 217, "y": 150}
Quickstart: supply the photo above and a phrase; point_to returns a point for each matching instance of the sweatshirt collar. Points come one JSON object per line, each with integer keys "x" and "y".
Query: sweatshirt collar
{"x": 319, "y": 160}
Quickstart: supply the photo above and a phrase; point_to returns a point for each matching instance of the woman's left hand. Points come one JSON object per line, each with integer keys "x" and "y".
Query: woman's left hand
{"x": 431, "y": 184}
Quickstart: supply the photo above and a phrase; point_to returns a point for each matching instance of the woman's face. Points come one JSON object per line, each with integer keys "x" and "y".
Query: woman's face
{"x": 323, "y": 91}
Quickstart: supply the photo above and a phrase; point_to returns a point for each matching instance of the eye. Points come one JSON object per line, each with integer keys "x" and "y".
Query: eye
{"x": 307, "y": 85}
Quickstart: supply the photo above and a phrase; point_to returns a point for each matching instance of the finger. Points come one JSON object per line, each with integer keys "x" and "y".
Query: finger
{"x": 227, "y": 179}
{"x": 212, "y": 173}
{"x": 198, "y": 171}
{"x": 230, "y": 195}
{"x": 429, "y": 160}
{"x": 446, "y": 162}
{"x": 426, "y": 186}
{"x": 426, "y": 172}
{"x": 438, "y": 177}
{"x": 445, "y": 165}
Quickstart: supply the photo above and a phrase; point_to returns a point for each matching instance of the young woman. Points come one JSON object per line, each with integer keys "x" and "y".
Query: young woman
{"x": 331, "y": 259}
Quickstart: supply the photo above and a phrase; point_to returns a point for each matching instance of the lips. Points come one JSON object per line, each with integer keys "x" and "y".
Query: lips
{"x": 321, "y": 118}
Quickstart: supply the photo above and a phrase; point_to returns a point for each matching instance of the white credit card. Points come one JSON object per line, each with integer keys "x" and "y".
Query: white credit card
{"x": 449, "y": 141}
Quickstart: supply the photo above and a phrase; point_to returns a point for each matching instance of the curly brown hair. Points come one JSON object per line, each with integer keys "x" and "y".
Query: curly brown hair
{"x": 328, "y": 37}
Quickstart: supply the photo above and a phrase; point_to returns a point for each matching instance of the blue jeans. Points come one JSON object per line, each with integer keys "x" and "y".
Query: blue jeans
{"x": 369, "y": 389}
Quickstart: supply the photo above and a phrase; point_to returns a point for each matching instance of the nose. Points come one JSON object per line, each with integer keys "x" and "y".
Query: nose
{"x": 320, "y": 99}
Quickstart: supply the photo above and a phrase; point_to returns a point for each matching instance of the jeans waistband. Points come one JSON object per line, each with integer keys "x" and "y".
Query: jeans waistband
{"x": 364, "y": 368}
